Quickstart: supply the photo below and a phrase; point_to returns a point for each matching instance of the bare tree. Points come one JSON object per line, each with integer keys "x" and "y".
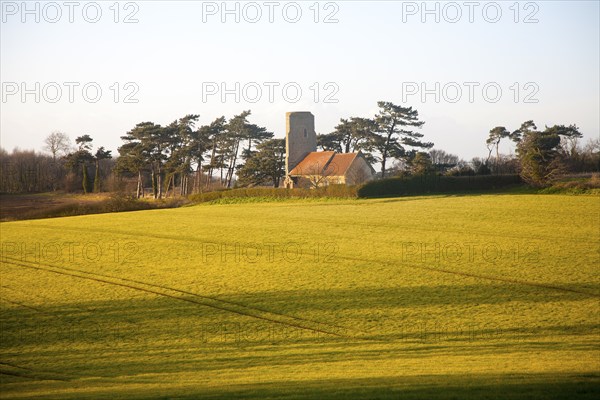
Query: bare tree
{"x": 57, "y": 143}
{"x": 321, "y": 175}
{"x": 443, "y": 161}
{"x": 357, "y": 176}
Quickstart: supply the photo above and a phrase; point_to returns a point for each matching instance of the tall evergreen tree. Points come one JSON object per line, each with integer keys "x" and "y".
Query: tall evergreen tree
{"x": 101, "y": 154}
{"x": 539, "y": 153}
{"x": 80, "y": 158}
{"x": 265, "y": 166}
{"x": 394, "y": 138}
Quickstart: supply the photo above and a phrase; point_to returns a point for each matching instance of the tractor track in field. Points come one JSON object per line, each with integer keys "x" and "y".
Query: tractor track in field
{"x": 43, "y": 298}
{"x": 219, "y": 304}
{"x": 2, "y": 298}
{"x": 476, "y": 233}
{"x": 472, "y": 275}
{"x": 28, "y": 373}
{"x": 507, "y": 280}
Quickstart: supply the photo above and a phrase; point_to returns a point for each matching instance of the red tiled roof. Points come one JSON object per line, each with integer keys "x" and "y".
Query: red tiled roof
{"x": 313, "y": 163}
{"x": 339, "y": 164}
{"x": 326, "y": 163}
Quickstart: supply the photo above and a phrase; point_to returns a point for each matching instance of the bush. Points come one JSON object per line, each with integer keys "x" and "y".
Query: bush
{"x": 266, "y": 194}
{"x": 575, "y": 186}
{"x": 430, "y": 184}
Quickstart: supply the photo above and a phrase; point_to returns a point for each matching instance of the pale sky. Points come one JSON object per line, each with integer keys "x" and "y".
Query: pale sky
{"x": 386, "y": 50}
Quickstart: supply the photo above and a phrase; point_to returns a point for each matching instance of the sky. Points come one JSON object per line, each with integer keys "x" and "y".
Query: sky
{"x": 99, "y": 68}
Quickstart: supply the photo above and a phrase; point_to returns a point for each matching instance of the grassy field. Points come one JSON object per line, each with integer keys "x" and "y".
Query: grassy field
{"x": 492, "y": 296}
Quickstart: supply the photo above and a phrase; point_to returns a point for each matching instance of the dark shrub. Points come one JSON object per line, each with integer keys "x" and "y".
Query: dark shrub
{"x": 431, "y": 184}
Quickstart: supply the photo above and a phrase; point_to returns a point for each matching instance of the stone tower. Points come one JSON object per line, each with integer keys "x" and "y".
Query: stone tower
{"x": 300, "y": 137}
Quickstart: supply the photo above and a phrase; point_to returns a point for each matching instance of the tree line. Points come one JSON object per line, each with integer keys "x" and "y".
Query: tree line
{"x": 184, "y": 157}
{"x": 65, "y": 167}
{"x": 541, "y": 155}
{"x": 194, "y": 158}
{"x": 545, "y": 155}
{"x": 181, "y": 155}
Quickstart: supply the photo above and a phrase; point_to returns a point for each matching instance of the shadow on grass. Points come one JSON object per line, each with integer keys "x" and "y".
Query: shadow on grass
{"x": 124, "y": 339}
{"x": 419, "y": 296}
{"x": 138, "y": 321}
{"x": 430, "y": 387}
{"x": 444, "y": 387}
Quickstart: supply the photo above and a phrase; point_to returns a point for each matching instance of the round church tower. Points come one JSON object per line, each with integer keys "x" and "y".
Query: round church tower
{"x": 300, "y": 137}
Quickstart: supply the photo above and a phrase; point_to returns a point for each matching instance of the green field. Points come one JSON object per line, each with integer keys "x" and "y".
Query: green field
{"x": 491, "y": 296}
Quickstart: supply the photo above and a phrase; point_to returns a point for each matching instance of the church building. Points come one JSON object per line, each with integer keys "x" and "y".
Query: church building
{"x": 308, "y": 168}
